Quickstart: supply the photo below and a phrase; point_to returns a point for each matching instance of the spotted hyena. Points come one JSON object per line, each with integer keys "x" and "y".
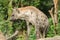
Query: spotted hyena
{"x": 34, "y": 16}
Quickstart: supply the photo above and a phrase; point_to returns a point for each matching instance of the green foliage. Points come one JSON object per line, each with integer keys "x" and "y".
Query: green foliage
{"x": 51, "y": 31}
{"x": 8, "y": 28}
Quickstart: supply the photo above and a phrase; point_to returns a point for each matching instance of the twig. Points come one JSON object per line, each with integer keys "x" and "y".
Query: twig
{"x": 16, "y": 32}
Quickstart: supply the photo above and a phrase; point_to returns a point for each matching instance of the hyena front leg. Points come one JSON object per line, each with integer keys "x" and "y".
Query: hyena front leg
{"x": 37, "y": 32}
{"x": 28, "y": 30}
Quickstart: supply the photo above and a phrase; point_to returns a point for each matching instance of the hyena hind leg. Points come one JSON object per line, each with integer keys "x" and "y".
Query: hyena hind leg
{"x": 43, "y": 34}
{"x": 28, "y": 30}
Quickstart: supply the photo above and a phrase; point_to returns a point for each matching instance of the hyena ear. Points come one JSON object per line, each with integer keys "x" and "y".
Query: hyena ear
{"x": 14, "y": 7}
{"x": 17, "y": 10}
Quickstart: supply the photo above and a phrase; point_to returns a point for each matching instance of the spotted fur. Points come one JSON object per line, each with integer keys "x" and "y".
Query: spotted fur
{"x": 34, "y": 16}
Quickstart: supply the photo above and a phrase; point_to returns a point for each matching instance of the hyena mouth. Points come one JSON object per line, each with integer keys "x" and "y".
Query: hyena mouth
{"x": 13, "y": 19}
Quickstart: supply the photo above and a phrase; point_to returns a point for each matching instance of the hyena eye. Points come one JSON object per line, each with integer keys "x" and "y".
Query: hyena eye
{"x": 12, "y": 15}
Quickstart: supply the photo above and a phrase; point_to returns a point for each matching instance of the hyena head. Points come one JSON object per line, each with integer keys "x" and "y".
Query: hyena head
{"x": 20, "y": 14}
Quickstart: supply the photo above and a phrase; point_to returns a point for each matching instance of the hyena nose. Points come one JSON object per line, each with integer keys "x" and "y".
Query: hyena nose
{"x": 12, "y": 19}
